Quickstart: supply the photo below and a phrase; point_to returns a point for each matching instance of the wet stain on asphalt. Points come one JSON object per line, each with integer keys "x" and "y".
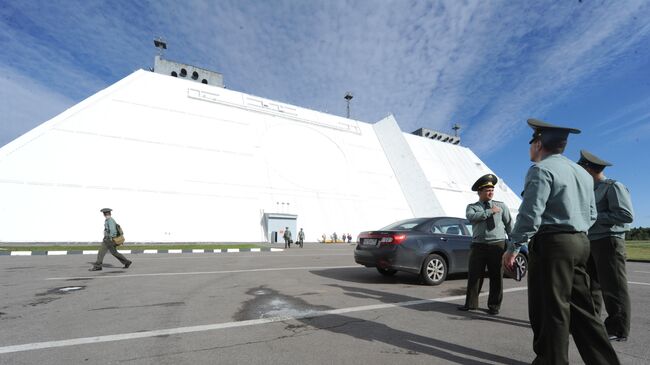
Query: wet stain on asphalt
{"x": 47, "y": 296}
{"x": 268, "y": 303}
{"x": 168, "y": 304}
{"x": 19, "y": 268}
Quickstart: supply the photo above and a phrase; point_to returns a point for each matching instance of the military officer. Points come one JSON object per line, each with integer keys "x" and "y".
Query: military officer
{"x": 110, "y": 231}
{"x": 301, "y": 238}
{"x": 287, "y": 237}
{"x": 606, "y": 265}
{"x": 490, "y": 222}
{"x": 556, "y": 211}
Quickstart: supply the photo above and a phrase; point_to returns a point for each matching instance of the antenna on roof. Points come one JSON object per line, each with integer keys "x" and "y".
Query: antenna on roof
{"x": 348, "y": 96}
{"x": 161, "y": 45}
{"x": 456, "y": 128}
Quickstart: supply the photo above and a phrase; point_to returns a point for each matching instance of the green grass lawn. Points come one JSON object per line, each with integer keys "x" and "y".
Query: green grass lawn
{"x": 127, "y": 246}
{"x": 638, "y": 250}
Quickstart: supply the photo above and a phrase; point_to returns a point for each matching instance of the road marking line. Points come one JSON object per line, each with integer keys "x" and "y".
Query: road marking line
{"x": 174, "y": 251}
{"x": 118, "y": 276}
{"x": 637, "y": 283}
{"x": 124, "y": 251}
{"x": 242, "y": 254}
{"x": 232, "y": 250}
{"x": 256, "y": 250}
{"x": 90, "y": 252}
{"x": 56, "y": 253}
{"x": 150, "y": 251}
{"x": 198, "y": 250}
{"x": 20, "y": 253}
{"x": 219, "y": 326}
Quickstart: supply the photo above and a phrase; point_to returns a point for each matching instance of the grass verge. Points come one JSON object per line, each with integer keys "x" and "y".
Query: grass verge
{"x": 128, "y": 247}
{"x": 638, "y": 250}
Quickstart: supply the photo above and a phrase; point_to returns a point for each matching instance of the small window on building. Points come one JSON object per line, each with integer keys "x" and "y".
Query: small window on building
{"x": 174, "y": 74}
{"x": 204, "y": 81}
{"x": 183, "y": 72}
{"x": 195, "y": 75}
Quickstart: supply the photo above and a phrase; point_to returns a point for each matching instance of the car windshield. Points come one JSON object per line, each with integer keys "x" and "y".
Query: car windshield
{"x": 405, "y": 225}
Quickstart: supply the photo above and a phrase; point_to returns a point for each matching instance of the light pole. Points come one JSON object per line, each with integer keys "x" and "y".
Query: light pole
{"x": 348, "y": 96}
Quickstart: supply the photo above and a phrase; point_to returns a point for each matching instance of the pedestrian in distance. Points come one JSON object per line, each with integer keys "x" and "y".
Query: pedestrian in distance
{"x": 491, "y": 221}
{"x": 301, "y": 238}
{"x": 349, "y": 238}
{"x": 108, "y": 243}
{"x": 335, "y": 238}
{"x": 606, "y": 266}
{"x": 557, "y": 209}
{"x": 287, "y": 237}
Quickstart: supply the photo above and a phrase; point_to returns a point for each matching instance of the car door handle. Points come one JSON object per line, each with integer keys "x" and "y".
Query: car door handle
{"x": 443, "y": 238}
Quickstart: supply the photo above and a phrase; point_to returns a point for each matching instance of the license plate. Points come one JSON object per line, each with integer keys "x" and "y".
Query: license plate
{"x": 370, "y": 242}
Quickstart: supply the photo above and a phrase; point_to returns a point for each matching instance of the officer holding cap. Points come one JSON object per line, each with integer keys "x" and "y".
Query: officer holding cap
{"x": 110, "y": 231}
{"x": 556, "y": 211}
{"x": 490, "y": 222}
{"x": 606, "y": 265}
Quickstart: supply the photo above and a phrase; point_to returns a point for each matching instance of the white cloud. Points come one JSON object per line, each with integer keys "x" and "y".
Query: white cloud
{"x": 24, "y": 104}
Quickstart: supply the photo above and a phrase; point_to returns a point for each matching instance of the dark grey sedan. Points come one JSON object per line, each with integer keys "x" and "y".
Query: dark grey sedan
{"x": 429, "y": 247}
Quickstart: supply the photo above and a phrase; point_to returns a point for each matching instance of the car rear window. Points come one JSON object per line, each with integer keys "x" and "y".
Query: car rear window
{"x": 405, "y": 225}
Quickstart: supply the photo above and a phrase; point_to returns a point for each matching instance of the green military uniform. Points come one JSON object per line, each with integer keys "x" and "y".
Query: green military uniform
{"x": 607, "y": 237}
{"x": 301, "y": 237}
{"x": 287, "y": 238}
{"x": 557, "y": 209}
{"x": 110, "y": 231}
{"x": 489, "y": 233}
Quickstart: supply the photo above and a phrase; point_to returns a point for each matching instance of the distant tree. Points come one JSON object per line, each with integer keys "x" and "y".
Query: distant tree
{"x": 638, "y": 234}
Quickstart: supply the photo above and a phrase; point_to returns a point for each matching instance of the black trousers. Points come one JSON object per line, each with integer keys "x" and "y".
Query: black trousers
{"x": 482, "y": 255}
{"x": 606, "y": 269}
{"x": 559, "y": 301}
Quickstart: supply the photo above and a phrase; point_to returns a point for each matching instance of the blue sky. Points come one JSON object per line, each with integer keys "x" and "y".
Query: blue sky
{"x": 487, "y": 65}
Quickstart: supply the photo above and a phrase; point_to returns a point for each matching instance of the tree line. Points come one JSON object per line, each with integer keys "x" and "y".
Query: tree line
{"x": 638, "y": 234}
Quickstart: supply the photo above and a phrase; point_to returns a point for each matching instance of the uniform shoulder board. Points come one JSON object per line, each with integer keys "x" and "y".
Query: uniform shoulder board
{"x": 610, "y": 181}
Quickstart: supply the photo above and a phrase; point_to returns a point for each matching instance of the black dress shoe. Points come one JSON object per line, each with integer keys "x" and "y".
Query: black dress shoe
{"x": 618, "y": 338}
{"x": 95, "y": 268}
{"x": 493, "y": 311}
{"x": 126, "y": 266}
{"x": 464, "y": 308}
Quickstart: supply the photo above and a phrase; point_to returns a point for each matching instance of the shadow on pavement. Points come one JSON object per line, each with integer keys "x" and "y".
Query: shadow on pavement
{"x": 440, "y": 307}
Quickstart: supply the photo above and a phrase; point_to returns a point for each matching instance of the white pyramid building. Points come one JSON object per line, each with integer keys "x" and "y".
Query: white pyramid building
{"x": 182, "y": 161}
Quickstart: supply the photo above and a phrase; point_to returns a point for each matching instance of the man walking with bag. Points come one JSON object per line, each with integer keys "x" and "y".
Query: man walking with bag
{"x": 110, "y": 232}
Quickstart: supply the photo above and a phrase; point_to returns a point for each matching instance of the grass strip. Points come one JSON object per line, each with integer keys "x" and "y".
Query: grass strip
{"x": 638, "y": 250}
{"x": 128, "y": 247}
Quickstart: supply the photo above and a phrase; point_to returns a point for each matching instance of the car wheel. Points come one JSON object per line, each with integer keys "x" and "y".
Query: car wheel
{"x": 523, "y": 263}
{"x": 434, "y": 270}
{"x": 386, "y": 272}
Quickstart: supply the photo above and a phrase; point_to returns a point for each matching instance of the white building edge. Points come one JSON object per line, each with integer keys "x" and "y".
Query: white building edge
{"x": 182, "y": 161}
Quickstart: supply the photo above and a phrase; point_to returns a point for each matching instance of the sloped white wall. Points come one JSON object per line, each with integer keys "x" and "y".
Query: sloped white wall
{"x": 179, "y": 161}
{"x": 451, "y": 171}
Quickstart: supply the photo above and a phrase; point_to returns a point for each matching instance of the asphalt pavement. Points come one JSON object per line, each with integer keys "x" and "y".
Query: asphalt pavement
{"x": 300, "y": 306}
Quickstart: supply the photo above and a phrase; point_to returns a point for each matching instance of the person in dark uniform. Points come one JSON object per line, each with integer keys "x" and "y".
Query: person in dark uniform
{"x": 110, "y": 231}
{"x": 301, "y": 238}
{"x": 490, "y": 222}
{"x": 287, "y": 238}
{"x": 606, "y": 266}
{"x": 556, "y": 211}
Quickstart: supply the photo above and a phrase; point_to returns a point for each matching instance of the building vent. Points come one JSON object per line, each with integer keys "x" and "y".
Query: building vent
{"x": 437, "y": 136}
{"x": 177, "y": 69}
